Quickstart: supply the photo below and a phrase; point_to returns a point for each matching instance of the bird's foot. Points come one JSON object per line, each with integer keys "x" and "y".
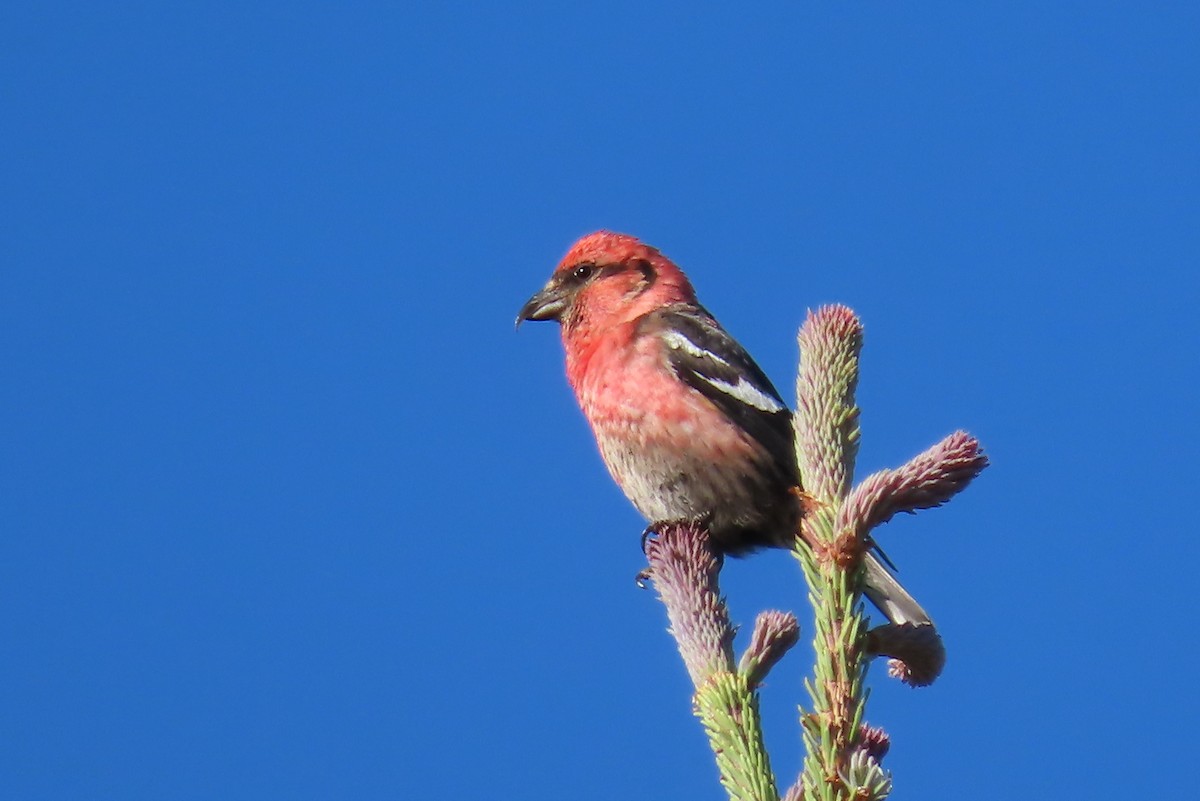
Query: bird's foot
{"x": 643, "y": 576}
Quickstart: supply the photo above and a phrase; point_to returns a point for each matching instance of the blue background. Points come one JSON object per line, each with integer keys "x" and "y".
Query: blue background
{"x": 288, "y": 511}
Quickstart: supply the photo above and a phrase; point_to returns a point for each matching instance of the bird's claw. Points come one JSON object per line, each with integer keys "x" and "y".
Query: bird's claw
{"x": 644, "y": 575}
{"x": 648, "y": 532}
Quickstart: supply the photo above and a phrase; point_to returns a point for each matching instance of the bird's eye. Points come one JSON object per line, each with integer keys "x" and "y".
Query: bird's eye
{"x": 583, "y": 272}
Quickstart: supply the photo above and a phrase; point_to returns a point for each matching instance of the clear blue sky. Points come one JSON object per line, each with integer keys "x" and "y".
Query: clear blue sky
{"x": 287, "y": 510}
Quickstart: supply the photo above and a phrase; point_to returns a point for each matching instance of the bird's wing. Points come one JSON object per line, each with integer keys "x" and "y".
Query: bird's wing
{"x": 712, "y": 362}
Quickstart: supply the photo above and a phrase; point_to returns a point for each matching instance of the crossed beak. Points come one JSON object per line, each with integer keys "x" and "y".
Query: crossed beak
{"x": 547, "y": 304}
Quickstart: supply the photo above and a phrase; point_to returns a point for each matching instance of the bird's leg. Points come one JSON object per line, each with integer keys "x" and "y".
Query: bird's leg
{"x": 650, "y": 532}
{"x": 646, "y": 574}
{"x": 653, "y": 530}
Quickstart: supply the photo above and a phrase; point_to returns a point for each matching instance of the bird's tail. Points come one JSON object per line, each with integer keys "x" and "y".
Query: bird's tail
{"x": 890, "y": 596}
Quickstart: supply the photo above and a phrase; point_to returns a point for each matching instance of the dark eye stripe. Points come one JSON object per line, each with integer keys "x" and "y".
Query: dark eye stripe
{"x": 589, "y": 271}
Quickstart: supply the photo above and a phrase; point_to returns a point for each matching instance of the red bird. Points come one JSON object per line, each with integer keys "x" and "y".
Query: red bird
{"x": 688, "y": 425}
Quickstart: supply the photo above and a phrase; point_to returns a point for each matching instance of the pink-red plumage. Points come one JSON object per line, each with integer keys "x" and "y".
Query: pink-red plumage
{"x": 687, "y": 423}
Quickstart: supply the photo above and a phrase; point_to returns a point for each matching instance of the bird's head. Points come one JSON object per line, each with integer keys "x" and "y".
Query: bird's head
{"x": 607, "y": 279}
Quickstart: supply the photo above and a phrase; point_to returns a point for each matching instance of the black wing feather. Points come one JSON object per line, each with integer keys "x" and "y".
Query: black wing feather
{"x": 712, "y": 355}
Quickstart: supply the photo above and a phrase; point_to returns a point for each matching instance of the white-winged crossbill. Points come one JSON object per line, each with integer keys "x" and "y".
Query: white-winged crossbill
{"x": 688, "y": 425}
